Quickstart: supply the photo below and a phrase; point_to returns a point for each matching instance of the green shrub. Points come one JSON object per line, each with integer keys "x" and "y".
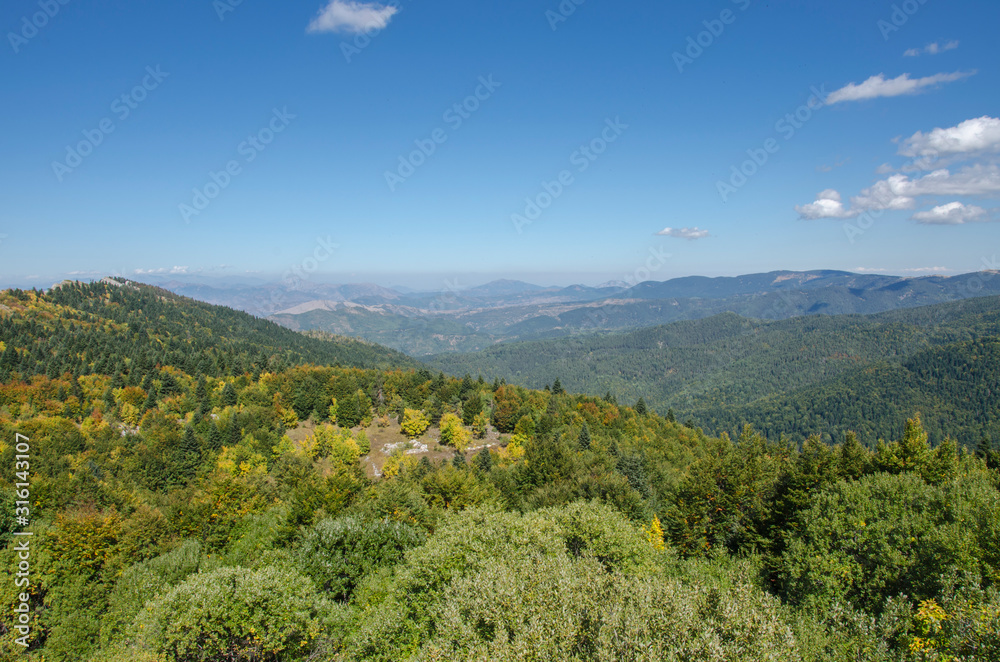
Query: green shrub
{"x": 338, "y": 553}
{"x": 401, "y": 612}
{"x": 144, "y": 581}
{"x": 233, "y": 614}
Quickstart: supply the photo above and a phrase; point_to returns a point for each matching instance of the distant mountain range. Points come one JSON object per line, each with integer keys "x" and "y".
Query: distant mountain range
{"x": 426, "y": 323}
{"x": 808, "y": 375}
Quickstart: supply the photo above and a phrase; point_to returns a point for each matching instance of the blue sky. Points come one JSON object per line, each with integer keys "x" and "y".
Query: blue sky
{"x": 118, "y": 115}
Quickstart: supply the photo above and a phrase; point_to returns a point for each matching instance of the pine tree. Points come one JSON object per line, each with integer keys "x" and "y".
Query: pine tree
{"x": 584, "y": 439}
{"x": 853, "y": 460}
{"x": 484, "y": 460}
{"x": 234, "y": 434}
{"x": 670, "y": 416}
{"x": 640, "y": 407}
{"x": 214, "y": 436}
{"x": 458, "y": 461}
{"x": 188, "y": 455}
{"x": 150, "y": 400}
{"x": 557, "y": 387}
{"x": 229, "y": 397}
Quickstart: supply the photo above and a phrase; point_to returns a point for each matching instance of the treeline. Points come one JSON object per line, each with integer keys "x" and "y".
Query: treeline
{"x": 812, "y": 375}
{"x": 98, "y": 328}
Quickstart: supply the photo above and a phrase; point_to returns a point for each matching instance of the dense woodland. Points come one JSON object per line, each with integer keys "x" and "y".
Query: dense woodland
{"x": 808, "y": 375}
{"x": 200, "y": 491}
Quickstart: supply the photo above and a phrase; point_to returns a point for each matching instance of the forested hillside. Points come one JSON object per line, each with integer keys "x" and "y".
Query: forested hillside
{"x": 100, "y": 327}
{"x": 222, "y": 509}
{"x": 801, "y": 376}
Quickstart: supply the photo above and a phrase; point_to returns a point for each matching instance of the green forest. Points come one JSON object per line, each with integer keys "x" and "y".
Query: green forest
{"x": 823, "y": 375}
{"x": 205, "y": 486}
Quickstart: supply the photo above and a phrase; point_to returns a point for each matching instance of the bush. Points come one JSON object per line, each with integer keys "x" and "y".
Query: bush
{"x": 576, "y": 543}
{"x": 338, "y": 553}
{"x": 144, "y": 581}
{"x": 233, "y": 614}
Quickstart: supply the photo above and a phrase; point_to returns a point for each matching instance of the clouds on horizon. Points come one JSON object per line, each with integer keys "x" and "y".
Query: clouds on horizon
{"x": 691, "y": 234}
{"x": 352, "y": 17}
{"x": 879, "y": 86}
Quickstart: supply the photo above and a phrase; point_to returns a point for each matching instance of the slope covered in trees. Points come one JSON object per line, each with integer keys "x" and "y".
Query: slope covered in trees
{"x": 183, "y": 517}
{"x": 800, "y": 376}
{"x": 101, "y": 327}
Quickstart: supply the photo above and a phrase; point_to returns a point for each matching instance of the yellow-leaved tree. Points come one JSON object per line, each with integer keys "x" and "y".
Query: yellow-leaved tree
{"x": 453, "y": 433}
{"x": 655, "y": 534}
{"x": 415, "y": 422}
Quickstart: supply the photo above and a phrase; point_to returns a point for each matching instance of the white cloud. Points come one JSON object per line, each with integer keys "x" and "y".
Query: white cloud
{"x": 884, "y": 169}
{"x": 901, "y": 192}
{"x": 932, "y": 49}
{"x": 978, "y": 135}
{"x": 879, "y": 86}
{"x": 352, "y": 17}
{"x": 683, "y": 233}
{"x": 912, "y": 270}
{"x": 828, "y": 205}
{"x": 953, "y": 213}
{"x": 162, "y": 270}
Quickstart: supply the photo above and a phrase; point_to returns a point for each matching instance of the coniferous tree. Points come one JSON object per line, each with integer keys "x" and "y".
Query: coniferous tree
{"x": 584, "y": 439}
{"x": 150, "y": 400}
{"x": 214, "y": 436}
{"x": 229, "y": 397}
{"x": 234, "y": 435}
{"x": 188, "y": 455}
{"x": 484, "y": 460}
{"x": 640, "y": 407}
{"x": 557, "y": 387}
{"x": 853, "y": 459}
